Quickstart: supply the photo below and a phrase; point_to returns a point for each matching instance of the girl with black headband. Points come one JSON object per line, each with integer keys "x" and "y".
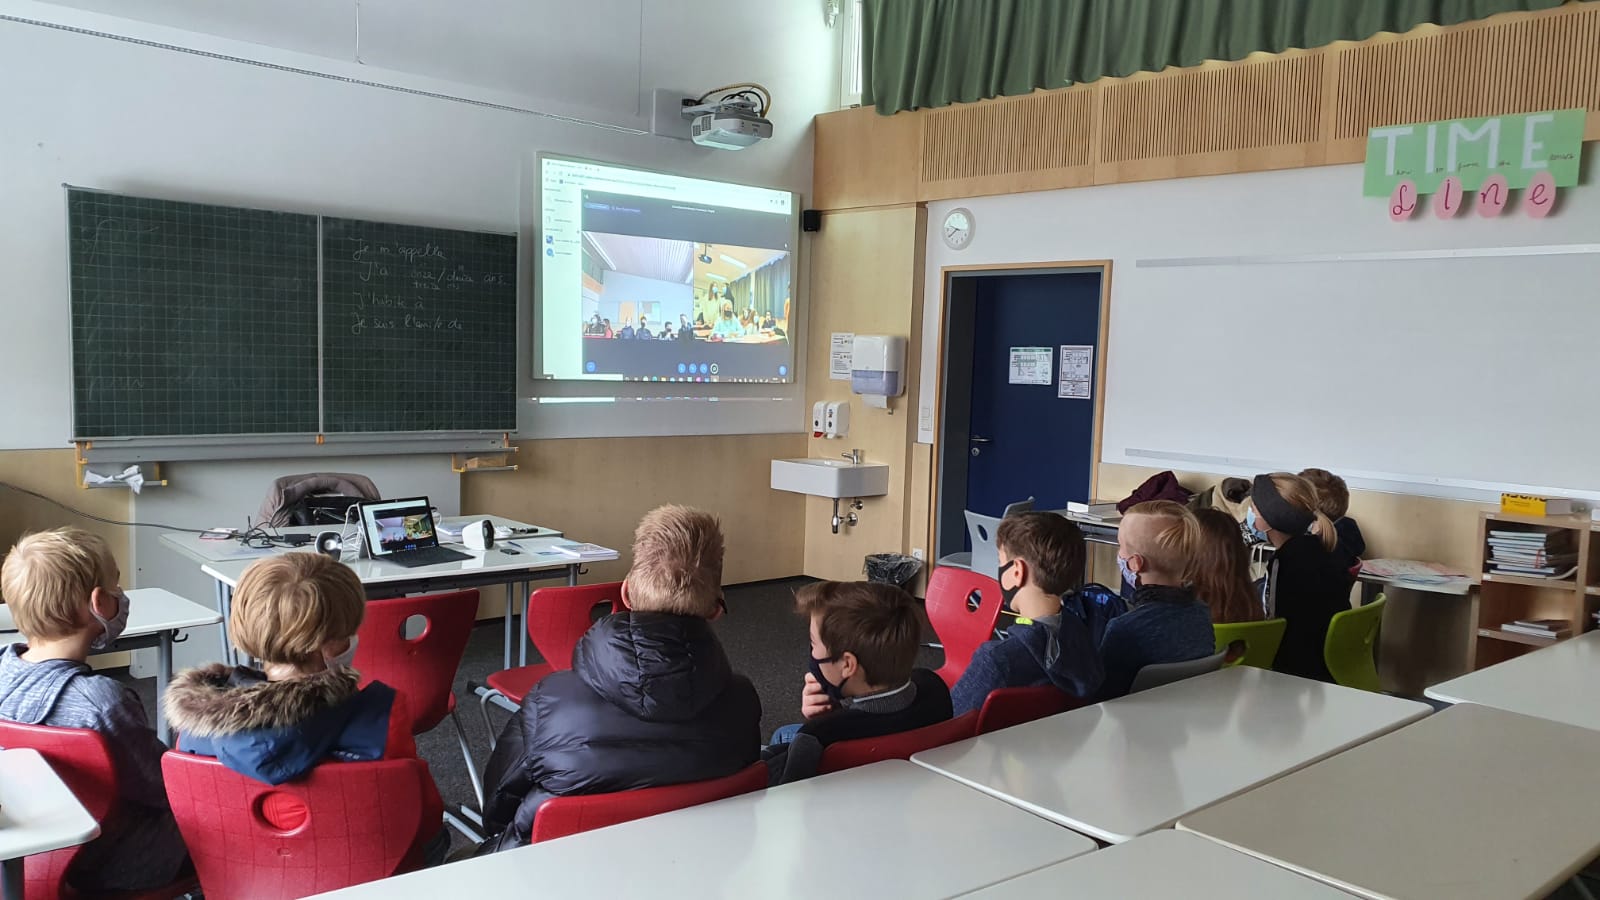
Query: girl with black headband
{"x": 1306, "y": 583}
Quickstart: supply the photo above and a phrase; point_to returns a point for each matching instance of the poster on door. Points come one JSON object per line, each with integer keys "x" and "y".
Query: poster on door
{"x": 1030, "y": 365}
{"x": 1077, "y": 372}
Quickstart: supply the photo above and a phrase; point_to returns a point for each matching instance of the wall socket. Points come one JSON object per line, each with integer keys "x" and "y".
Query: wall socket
{"x": 917, "y": 554}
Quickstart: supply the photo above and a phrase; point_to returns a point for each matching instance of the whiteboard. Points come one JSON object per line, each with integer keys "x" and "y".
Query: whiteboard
{"x": 1472, "y": 368}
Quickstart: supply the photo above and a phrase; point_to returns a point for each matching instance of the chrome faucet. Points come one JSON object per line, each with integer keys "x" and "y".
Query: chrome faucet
{"x": 854, "y": 456}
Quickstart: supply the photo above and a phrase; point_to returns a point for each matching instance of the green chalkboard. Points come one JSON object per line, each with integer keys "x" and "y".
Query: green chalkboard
{"x": 419, "y": 328}
{"x": 189, "y": 319}
{"x": 198, "y": 320}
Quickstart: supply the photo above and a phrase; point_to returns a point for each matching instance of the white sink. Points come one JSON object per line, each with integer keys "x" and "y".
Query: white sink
{"x": 830, "y": 477}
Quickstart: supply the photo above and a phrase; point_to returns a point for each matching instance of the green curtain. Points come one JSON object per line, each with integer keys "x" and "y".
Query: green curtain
{"x": 769, "y": 288}
{"x": 921, "y": 53}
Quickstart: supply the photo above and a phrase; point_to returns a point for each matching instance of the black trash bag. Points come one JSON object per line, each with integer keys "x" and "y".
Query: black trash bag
{"x": 892, "y": 568}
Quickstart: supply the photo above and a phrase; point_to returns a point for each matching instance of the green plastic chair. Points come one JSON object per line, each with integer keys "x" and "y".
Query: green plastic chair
{"x": 1261, "y": 640}
{"x": 1348, "y": 648}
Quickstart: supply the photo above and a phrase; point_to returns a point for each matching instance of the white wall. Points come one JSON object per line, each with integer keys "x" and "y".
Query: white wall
{"x": 1451, "y": 376}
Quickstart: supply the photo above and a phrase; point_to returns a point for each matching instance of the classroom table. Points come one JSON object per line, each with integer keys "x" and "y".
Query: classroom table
{"x": 1164, "y": 863}
{"x": 1122, "y": 768}
{"x": 38, "y": 814}
{"x": 223, "y": 560}
{"x": 155, "y": 617}
{"x": 1428, "y": 633}
{"x": 889, "y": 829}
{"x": 1471, "y": 802}
{"x": 1558, "y": 682}
{"x": 534, "y": 561}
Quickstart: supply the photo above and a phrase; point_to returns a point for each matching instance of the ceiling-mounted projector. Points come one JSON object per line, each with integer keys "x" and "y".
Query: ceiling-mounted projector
{"x": 731, "y": 124}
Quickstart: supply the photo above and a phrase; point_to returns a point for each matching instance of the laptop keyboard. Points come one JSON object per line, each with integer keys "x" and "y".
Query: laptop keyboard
{"x": 428, "y": 556}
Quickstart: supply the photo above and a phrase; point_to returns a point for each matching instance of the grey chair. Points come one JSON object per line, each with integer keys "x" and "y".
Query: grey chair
{"x": 1166, "y": 673}
{"x": 984, "y": 557}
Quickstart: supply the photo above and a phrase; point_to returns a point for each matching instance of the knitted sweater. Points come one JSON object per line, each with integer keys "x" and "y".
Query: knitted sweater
{"x": 1162, "y": 625}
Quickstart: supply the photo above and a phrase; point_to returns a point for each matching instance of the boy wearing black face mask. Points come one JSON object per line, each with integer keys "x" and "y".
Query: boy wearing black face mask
{"x": 861, "y": 681}
{"x": 1041, "y": 558}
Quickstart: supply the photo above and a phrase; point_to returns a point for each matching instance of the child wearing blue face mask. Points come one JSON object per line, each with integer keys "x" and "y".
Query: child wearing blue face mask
{"x": 62, "y": 589}
{"x": 1165, "y": 623}
{"x": 1041, "y": 559}
{"x": 861, "y": 682}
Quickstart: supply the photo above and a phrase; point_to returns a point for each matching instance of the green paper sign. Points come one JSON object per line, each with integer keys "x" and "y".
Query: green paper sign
{"x": 1516, "y": 146}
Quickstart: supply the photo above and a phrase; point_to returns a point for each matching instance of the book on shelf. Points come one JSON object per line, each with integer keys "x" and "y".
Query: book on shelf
{"x": 1513, "y": 628}
{"x": 1532, "y": 557}
{"x": 576, "y": 550}
{"x": 1535, "y": 505}
{"x": 1551, "y": 625}
{"x": 1517, "y": 568}
{"x": 1531, "y": 572}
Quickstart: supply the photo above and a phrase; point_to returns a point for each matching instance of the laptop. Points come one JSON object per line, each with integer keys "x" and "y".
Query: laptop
{"x": 403, "y": 532}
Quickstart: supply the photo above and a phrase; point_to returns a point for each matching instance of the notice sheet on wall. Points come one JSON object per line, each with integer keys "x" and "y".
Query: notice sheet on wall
{"x": 841, "y": 353}
{"x": 1030, "y": 365}
{"x": 1077, "y": 372}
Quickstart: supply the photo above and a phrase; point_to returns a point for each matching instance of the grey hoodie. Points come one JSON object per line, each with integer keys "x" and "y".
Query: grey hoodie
{"x": 139, "y": 846}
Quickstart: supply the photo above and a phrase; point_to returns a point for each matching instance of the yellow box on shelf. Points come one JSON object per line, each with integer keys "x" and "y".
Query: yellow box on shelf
{"x": 1531, "y": 505}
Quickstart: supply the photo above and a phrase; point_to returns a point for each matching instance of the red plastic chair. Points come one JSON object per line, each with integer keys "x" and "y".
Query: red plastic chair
{"x": 849, "y": 754}
{"x": 354, "y": 823}
{"x": 561, "y": 816}
{"x": 421, "y": 669}
{"x": 557, "y": 619}
{"x": 961, "y": 630}
{"x": 82, "y": 759}
{"x": 1005, "y": 707}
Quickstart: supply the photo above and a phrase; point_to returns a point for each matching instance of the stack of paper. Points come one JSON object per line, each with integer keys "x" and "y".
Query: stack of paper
{"x": 1534, "y": 554}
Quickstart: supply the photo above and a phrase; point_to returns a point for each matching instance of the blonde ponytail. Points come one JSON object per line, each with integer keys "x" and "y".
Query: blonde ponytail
{"x": 1324, "y": 530}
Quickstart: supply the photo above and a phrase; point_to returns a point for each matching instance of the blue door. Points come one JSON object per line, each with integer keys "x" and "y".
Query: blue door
{"x": 1024, "y": 439}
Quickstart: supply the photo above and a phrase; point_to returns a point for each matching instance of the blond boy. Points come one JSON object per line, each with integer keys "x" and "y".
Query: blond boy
{"x": 1165, "y": 622}
{"x": 62, "y": 590}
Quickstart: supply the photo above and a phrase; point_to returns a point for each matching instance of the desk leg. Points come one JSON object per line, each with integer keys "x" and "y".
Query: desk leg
{"x": 163, "y": 678}
{"x": 511, "y": 608}
{"x": 11, "y": 887}
{"x": 572, "y": 574}
{"x": 224, "y": 603}
{"x": 522, "y": 633}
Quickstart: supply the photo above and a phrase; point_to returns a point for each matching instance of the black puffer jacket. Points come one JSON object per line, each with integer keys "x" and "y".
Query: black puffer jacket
{"x": 650, "y": 700}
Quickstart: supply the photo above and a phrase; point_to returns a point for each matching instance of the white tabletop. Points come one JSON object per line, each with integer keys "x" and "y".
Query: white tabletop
{"x": 1132, "y": 765}
{"x": 534, "y": 554}
{"x": 1469, "y": 803}
{"x": 1164, "y": 863}
{"x": 885, "y": 830}
{"x": 1458, "y": 587}
{"x": 150, "y": 611}
{"x": 37, "y": 812}
{"x": 1557, "y": 682}
{"x": 208, "y": 551}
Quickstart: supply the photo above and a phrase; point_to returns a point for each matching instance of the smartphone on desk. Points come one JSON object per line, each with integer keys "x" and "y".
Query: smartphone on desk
{"x": 510, "y": 551}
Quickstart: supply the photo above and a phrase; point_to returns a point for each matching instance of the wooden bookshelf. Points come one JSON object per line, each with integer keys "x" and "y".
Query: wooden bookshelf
{"x": 1505, "y": 597}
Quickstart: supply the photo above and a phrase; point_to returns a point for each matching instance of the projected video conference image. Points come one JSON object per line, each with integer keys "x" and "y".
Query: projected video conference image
{"x": 654, "y": 277}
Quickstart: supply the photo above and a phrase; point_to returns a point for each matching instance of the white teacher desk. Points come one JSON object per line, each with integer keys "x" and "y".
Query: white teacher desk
{"x": 885, "y": 830}
{"x": 155, "y": 617}
{"x": 1560, "y": 682}
{"x": 225, "y": 561}
{"x": 1161, "y": 864}
{"x": 1471, "y": 803}
{"x": 38, "y": 814}
{"x": 1119, "y": 769}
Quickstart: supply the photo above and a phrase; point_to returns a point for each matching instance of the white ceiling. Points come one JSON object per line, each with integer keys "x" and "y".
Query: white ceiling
{"x": 656, "y": 258}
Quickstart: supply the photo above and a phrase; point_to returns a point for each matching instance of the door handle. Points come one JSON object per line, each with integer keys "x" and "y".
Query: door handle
{"x": 980, "y": 440}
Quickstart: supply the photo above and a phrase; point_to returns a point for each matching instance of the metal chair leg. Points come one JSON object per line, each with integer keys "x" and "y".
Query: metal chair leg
{"x": 483, "y": 709}
{"x": 466, "y": 753}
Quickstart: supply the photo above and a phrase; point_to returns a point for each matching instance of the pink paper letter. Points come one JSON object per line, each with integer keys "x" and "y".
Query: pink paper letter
{"x": 1449, "y": 198}
{"x": 1492, "y": 198}
{"x": 1540, "y": 197}
{"x": 1403, "y": 202}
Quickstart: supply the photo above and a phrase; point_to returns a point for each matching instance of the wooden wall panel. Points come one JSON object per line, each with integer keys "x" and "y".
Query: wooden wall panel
{"x": 55, "y": 474}
{"x": 866, "y": 278}
{"x": 599, "y": 488}
{"x": 864, "y": 159}
{"x": 1299, "y": 108}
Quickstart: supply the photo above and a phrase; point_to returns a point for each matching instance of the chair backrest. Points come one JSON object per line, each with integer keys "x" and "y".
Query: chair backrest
{"x": 423, "y": 668}
{"x": 1349, "y": 647}
{"x": 561, "y": 816}
{"x": 352, "y": 823}
{"x": 985, "y": 551}
{"x": 558, "y": 617}
{"x": 1261, "y": 640}
{"x": 960, "y": 629}
{"x": 1005, "y": 707}
{"x": 841, "y": 755}
{"x": 82, "y": 760}
{"x": 1166, "y": 673}
{"x": 1019, "y": 506}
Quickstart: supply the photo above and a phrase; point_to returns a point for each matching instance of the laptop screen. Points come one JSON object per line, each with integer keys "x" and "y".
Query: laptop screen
{"x": 398, "y": 525}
